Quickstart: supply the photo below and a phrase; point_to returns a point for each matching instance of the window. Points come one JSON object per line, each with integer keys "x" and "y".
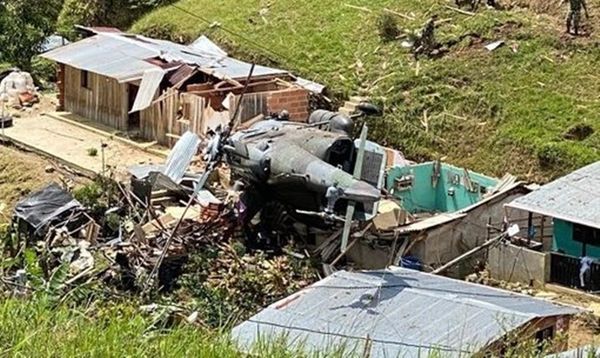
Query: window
{"x": 403, "y": 183}
{"x": 544, "y": 337}
{"x": 586, "y": 234}
{"x": 85, "y": 79}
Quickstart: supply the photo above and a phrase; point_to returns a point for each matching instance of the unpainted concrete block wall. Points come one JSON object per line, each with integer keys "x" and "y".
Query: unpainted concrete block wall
{"x": 512, "y": 263}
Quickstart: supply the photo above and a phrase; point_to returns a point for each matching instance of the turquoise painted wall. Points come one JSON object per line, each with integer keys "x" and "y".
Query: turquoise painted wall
{"x": 420, "y": 198}
{"x": 424, "y": 197}
{"x": 563, "y": 241}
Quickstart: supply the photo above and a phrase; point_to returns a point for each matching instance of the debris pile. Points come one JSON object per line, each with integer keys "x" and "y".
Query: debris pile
{"x": 18, "y": 90}
{"x": 159, "y": 235}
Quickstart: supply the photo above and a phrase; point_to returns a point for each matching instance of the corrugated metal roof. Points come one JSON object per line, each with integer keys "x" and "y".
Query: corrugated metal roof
{"x": 122, "y": 56}
{"x": 574, "y": 198}
{"x": 203, "y": 43}
{"x": 151, "y": 80}
{"x": 107, "y": 55}
{"x": 403, "y": 313}
{"x": 53, "y": 41}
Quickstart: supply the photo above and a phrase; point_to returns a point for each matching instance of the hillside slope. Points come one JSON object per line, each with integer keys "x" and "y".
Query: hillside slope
{"x": 530, "y": 107}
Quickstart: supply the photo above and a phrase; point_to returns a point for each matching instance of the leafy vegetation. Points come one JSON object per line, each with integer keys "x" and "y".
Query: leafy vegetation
{"x": 495, "y": 112}
{"x": 23, "y": 28}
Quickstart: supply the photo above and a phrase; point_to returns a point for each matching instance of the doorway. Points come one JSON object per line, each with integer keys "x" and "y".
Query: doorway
{"x": 133, "y": 119}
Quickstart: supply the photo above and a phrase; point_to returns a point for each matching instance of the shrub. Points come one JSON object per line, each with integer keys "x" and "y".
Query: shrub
{"x": 387, "y": 27}
{"x": 92, "y": 152}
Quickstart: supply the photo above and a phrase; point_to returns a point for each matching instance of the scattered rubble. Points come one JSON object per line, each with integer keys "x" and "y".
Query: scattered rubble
{"x": 483, "y": 278}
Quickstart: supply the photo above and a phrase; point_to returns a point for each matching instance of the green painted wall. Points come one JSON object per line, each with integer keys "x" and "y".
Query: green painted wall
{"x": 563, "y": 241}
{"x": 424, "y": 197}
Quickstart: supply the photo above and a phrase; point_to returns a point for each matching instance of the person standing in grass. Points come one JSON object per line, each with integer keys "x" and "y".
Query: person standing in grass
{"x": 574, "y": 15}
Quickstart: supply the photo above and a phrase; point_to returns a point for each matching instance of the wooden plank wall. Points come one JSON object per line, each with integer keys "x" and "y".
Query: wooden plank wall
{"x": 105, "y": 100}
{"x": 158, "y": 120}
{"x": 253, "y": 104}
{"x": 193, "y": 114}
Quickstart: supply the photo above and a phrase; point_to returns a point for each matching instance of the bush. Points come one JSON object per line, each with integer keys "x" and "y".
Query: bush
{"x": 43, "y": 72}
{"x": 388, "y": 27}
{"x": 551, "y": 155}
{"x": 92, "y": 152}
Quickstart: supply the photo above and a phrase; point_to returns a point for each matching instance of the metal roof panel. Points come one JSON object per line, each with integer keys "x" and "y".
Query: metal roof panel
{"x": 574, "y": 197}
{"x": 402, "y": 312}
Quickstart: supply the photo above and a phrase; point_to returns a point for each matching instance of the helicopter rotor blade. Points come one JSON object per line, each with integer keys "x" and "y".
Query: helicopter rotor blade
{"x": 357, "y": 174}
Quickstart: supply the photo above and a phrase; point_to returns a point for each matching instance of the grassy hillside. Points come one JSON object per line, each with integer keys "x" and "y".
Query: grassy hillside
{"x": 507, "y": 110}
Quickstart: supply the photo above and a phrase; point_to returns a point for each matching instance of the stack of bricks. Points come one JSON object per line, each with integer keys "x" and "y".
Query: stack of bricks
{"x": 295, "y": 100}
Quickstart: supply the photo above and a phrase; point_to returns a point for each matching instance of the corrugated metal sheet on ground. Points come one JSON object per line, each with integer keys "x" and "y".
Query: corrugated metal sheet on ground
{"x": 151, "y": 80}
{"x": 181, "y": 156}
{"x": 574, "y": 197}
{"x": 404, "y": 313}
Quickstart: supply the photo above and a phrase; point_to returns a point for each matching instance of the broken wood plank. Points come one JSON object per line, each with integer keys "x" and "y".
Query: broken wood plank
{"x": 343, "y": 253}
{"x": 358, "y": 8}
{"x": 408, "y": 17}
{"x": 461, "y": 11}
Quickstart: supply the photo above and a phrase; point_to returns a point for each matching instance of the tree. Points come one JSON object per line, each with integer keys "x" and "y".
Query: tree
{"x": 24, "y": 25}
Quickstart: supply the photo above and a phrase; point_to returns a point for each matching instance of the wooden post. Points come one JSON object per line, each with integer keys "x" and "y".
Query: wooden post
{"x": 530, "y": 233}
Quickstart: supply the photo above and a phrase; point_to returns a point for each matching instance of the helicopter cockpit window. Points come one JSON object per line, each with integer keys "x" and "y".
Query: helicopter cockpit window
{"x": 340, "y": 154}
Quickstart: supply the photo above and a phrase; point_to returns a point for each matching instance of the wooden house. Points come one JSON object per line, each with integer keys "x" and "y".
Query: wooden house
{"x": 157, "y": 89}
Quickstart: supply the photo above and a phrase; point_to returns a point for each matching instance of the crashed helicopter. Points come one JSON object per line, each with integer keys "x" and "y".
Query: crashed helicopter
{"x": 306, "y": 166}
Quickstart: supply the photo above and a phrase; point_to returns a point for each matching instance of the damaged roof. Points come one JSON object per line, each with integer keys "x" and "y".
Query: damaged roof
{"x": 125, "y": 57}
{"x": 401, "y": 312}
{"x": 574, "y": 198}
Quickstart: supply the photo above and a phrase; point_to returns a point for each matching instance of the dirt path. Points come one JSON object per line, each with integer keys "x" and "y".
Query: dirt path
{"x": 73, "y": 145}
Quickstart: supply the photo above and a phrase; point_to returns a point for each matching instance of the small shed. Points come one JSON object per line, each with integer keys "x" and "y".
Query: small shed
{"x": 403, "y": 313}
{"x": 160, "y": 89}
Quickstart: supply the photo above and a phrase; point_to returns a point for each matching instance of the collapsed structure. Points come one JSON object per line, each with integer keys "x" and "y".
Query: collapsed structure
{"x": 159, "y": 89}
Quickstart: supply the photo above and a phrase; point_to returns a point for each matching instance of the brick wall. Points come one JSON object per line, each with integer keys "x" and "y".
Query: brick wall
{"x": 294, "y": 100}
{"x": 61, "y": 87}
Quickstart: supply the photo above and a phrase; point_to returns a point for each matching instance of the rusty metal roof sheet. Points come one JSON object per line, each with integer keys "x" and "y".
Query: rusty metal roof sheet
{"x": 574, "y": 198}
{"x": 400, "y": 312}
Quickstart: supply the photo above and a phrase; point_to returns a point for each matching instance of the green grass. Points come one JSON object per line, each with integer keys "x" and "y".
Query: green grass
{"x": 35, "y": 328}
{"x": 493, "y": 112}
